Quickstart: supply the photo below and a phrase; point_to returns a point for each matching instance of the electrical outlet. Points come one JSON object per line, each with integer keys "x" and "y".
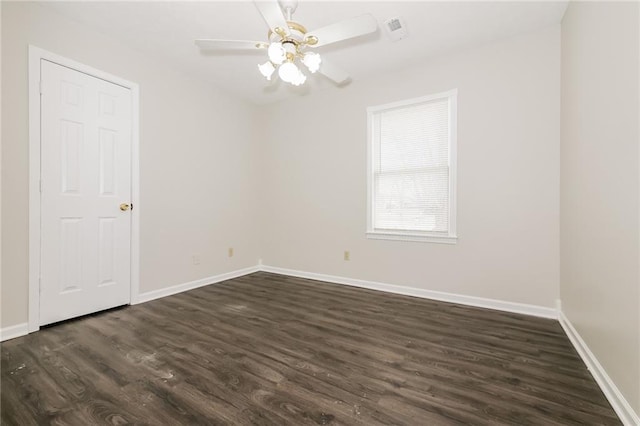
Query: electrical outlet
{"x": 347, "y": 255}
{"x": 196, "y": 259}
{"x": 230, "y": 251}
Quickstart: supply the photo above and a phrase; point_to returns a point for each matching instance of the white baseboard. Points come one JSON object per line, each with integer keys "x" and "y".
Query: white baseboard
{"x": 14, "y": 331}
{"x": 621, "y": 406}
{"x": 501, "y": 305}
{"x": 168, "y": 291}
{"x": 520, "y": 308}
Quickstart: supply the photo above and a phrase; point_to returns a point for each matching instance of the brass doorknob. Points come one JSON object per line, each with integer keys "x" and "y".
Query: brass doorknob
{"x": 124, "y": 207}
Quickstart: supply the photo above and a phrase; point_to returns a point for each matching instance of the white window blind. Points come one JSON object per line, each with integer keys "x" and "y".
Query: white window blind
{"x": 412, "y": 175}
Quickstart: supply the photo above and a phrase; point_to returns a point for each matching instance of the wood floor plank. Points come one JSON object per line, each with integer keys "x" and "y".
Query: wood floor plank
{"x": 272, "y": 350}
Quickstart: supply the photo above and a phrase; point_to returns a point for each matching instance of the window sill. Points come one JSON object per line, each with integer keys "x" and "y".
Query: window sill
{"x": 402, "y": 236}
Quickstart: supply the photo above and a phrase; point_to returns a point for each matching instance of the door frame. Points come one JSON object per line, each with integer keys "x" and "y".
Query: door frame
{"x": 37, "y": 54}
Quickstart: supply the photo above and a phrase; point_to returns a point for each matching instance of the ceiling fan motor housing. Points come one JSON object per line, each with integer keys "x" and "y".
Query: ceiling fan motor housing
{"x": 296, "y": 33}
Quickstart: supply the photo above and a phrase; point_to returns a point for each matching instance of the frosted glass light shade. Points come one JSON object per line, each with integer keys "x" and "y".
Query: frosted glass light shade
{"x": 299, "y": 79}
{"x": 312, "y": 60}
{"x": 267, "y": 69}
{"x": 277, "y": 53}
{"x": 288, "y": 72}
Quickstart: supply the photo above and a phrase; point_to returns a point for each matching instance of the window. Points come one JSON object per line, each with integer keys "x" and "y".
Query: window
{"x": 412, "y": 169}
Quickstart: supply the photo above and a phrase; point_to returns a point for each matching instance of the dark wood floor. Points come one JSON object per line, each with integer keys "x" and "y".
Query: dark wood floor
{"x": 268, "y": 349}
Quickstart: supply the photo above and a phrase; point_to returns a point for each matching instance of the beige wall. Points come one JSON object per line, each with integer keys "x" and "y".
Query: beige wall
{"x": 1, "y": 166}
{"x": 314, "y": 190}
{"x": 599, "y": 185}
{"x": 197, "y": 171}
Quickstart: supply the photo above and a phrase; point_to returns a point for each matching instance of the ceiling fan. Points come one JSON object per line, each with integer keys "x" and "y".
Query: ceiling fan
{"x": 289, "y": 43}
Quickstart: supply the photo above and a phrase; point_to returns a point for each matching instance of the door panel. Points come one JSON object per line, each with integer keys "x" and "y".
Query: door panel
{"x": 86, "y": 175}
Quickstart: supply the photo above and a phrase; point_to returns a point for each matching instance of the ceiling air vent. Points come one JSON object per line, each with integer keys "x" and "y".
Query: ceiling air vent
{"x": 396, "y": 29}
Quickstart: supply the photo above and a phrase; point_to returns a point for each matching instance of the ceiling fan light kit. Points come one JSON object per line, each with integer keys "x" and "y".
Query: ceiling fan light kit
{"x": 288, "y": 42}
{"x": 285, "y": 52}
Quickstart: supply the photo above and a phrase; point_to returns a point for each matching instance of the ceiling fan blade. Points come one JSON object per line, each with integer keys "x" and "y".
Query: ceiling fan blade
{"x": 337, "y": 74}
{"x": 216, "y": 44}
{"x": 343, "y": 30}
{"x": 272, "y": 14}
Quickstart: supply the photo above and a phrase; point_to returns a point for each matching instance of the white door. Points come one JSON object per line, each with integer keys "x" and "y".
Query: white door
{"x": 85, "y": 194}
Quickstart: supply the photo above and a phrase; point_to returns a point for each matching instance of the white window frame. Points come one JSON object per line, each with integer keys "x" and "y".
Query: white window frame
{"x": 422, "y": 236}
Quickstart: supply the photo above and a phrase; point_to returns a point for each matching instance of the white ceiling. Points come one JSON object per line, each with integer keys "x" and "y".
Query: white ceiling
{"x": 167, "y": 30}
